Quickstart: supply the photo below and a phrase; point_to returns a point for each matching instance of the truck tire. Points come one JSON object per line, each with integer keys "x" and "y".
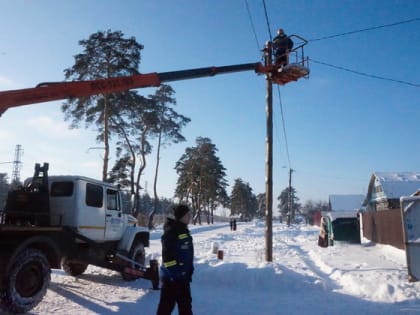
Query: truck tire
{"x": 72, "y": 268}
{"x": 137, "y": 254}
{"x": 27, "y": 281}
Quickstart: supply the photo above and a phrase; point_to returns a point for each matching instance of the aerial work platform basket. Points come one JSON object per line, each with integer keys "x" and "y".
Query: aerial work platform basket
{"x": 298, "y": 66}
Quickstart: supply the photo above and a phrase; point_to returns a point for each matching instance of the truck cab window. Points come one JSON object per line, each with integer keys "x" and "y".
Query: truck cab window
{"x": 94, "y": 195}
{"x": 62, "y": 189}
{"x": 112, "y": 199}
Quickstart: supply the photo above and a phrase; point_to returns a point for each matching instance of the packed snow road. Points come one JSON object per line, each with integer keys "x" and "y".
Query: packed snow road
{"x": 302, "y": 279}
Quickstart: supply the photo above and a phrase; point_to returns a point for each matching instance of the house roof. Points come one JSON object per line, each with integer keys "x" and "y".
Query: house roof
{"x": 397, "y": 184}
{"x": 344, "y": 206}
{"x": 346, "y": 202}
{"x": 394, "y": 184}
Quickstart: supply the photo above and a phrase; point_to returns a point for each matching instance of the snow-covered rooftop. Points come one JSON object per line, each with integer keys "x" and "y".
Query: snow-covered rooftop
{"x": 346, "y": 202}
{"x": 397, "y": 184}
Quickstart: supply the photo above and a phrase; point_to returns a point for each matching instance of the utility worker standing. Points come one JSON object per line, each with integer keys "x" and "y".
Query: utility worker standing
{"x": 282, "y": 45}
{"x": 177, "y": 267}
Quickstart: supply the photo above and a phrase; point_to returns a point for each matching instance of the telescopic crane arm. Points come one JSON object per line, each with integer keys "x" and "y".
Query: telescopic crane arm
{"x": 53, "y": 91}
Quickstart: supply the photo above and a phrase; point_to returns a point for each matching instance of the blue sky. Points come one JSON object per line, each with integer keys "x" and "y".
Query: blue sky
{"x": 340, "y": 127}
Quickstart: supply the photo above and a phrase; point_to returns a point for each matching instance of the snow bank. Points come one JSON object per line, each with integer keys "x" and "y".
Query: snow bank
{"x": 302, "y": 279}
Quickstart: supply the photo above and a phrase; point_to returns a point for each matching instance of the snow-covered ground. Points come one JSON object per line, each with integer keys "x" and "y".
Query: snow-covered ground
{"x": 302, "y": 279}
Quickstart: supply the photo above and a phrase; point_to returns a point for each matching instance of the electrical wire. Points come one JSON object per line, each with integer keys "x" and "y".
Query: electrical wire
{"x": 362, "y": 73}
{"x": 278, "y": 91}
{"x": 268, "y": 23}
{"x": 252, "y": 25}
{"x": 365, "y": 29}
{"x": 284, "y": 128}
{"x": 365, "y": 74}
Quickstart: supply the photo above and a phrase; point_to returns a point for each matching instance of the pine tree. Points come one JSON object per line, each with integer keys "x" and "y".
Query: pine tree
{"x": 4, "y": 189}
{"x": 284, "y": 204}
{"x": 106, "y": 55}
{"x": 261, "y": 205}
{"x": 243, "y": 202}
{"x": 201, "y": 179}
{"x": 167, "y": 130}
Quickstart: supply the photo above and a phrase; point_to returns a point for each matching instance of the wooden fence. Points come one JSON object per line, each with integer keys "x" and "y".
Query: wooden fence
{"x": 383, "y": 227}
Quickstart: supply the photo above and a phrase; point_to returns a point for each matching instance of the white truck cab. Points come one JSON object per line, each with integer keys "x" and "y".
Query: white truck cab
{"x": 67, "y": 222}
{"x": 93, "y": 207}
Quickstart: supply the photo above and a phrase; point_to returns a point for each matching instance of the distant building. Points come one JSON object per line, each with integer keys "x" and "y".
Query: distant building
{"x": 382, "y": 221}
{"x": 342, "y": 216}
{"x": 315, "y": 218}
{"x": 345, "y": 206}
{"x": 386, "y": 188}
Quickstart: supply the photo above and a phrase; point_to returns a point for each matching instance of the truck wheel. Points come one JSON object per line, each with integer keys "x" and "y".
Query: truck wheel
{"x": 27, "y": 281}
{"x": 137, "y": 254}
{"x": 72, "y": 268}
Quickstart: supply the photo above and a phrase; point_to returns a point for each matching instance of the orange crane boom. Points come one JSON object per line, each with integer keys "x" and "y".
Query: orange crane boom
{"x": 52, "y": 91}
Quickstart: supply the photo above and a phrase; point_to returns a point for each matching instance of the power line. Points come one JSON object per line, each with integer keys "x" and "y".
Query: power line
{"x": 365, "y": 29}
{"x": 365, "y": 74}
{"x": 252, "y": 25}
{"x": 268, "y": 23}
{"x": 278, "y": 90}
{"x": 284, "y": 127}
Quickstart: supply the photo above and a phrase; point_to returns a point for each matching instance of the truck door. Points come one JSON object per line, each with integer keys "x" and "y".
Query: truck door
{"x": 113, "y": 215}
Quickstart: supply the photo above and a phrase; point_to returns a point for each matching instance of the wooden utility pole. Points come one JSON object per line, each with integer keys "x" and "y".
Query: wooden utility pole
{"x": 292, "y": 206}
{"x": 269, "y": 160}
{"x": 290, "y": 212}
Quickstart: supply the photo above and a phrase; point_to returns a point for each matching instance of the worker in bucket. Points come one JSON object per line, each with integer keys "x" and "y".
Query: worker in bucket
{"x": 177, "y": 267}
{"x": 282, "y": 45}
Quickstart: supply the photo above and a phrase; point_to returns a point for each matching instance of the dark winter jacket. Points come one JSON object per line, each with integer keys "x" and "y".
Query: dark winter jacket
{"x": 177, "y": 252}
{"x": 282, "y": 42}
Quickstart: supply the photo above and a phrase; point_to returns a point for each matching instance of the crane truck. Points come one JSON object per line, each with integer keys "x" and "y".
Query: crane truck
{"x": 70, "y": 222}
